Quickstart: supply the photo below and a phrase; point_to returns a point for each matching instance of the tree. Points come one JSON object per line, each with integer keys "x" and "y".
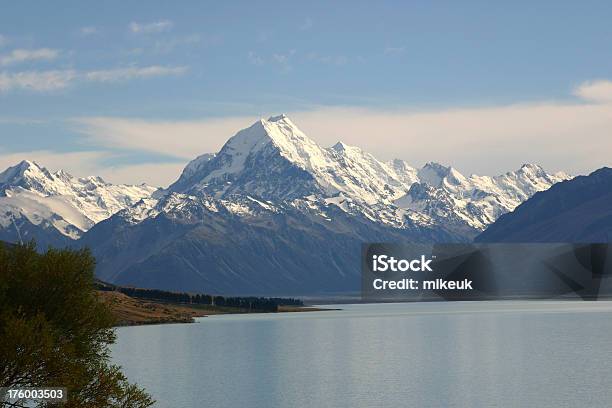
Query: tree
{"x": 55, "y": 332}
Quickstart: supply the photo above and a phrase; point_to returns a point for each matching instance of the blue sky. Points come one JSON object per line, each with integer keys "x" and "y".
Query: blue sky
{"x": 93, "y": 87}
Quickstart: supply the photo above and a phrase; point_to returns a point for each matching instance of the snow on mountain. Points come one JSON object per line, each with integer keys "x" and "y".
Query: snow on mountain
{"x": 446, "y": 195}
{"x": 273, "y": 166}
{"x": 31, "y": 193}
{"x": 195, "y": 166}
{"x": 240, "y": 244}
{"x": 577, "y": 210}
{"x": 274, "y": 159}
{"x": 274, "y": 212}
{"x": 405, "y": 173}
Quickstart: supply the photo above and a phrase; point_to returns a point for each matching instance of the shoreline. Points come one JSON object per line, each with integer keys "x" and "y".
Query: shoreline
{"x": 139, "y": 312}
{"x": 130, "y": 311}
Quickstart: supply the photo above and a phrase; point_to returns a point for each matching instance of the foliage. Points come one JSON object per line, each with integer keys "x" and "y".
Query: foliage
{"x": 55, "y": 332}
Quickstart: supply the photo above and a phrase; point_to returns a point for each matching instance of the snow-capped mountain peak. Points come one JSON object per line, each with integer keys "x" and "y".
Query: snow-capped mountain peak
{"x": 22, "y": 171}
{"x": 281, "y": 134}
{"x": 31, "y": 193}
{"x": 343, "y": 148}
{"x": 259, "y": 155}
{"x": 443, "y": 192}
{"x": 274, "y": 159}
{"x": 433, "y": 174}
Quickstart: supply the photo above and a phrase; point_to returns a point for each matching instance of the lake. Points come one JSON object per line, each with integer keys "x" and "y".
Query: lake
{"x": 455, "y": 354}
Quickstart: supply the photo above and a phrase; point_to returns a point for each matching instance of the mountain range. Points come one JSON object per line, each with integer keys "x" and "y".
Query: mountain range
{"x": 271, "y": 213}
{"x": 55, "y": 207}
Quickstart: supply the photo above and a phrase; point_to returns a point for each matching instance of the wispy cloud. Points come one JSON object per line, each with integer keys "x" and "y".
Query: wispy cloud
{"x": 166, "y": 45}
{"x": 394, "y": 50}
{"x": 284, "y": 60}
{"x": 24, "y": 55}
{"x": 254, "y": 58}
{"x": 44, "y": 81}
{"x": 485, "y": 140}
{"x": 3, "y": 40}
{"x": 39, "y": 81}
{"x": 306, "y": 25}
{"x": 263, "y": 36}
{"x": 597, "y": 91}
{"x": 180, "y": 139}
{"x": 328, "y": 59}
{"x": 88, "y": 30}
{"x": 155, "y": 174}
{"x": 94, "y": 163}
{"x": 79, "y": 163}
{"x": 124, "y": 74}
{"x": 149, "y": 28}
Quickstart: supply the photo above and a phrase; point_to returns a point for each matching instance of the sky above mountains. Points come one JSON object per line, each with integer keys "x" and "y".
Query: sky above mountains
{"x": 132, "y": 91}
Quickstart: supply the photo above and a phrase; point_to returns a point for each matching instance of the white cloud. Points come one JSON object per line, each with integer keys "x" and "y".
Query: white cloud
{"x": 598, "y": 91}
{"x": 181, "y": 139}
{"x": 89, "y": 30}
{"x": 306, "y": 25}
{"x": 484, "y": 140}
{"x": 328, "y": 59}
{"x": 80, "y": 164}
{"x": 155, "y": 174}
{"x": 255, "y": 59}
{"x": 123, "y": 74}
{"x": 40, "y": 81}
{"x": 574, "y": 137}
{"x": 284, "y": 60}
{"x": 167, "y": 45}
{"x": 148, "y": 28}
{"x": 394, "y": 50}
{"x": 3, "y": 40}
{"x": 263, "y": 36}
{"x": 92, "y": 163}
{"x": 24, "y": 55}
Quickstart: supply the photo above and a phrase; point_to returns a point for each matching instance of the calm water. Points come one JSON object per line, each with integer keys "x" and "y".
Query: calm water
{"x": 463, "y": 354}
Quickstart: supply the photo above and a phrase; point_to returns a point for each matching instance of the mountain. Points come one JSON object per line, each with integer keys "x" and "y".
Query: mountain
{"x": 275, "y": 160}
{"x": 445, "y": 195}
{"x": 577, "y": 210}
{"x": 241, "y": 245}
{"x": 271, "y": 213}
{"x": 55, "y": 207}
{"x": 260, "y": 159}
{"x": 275, "y": 213}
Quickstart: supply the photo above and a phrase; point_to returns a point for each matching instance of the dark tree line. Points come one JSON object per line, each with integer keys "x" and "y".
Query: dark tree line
{"x": 253, "y": 304}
